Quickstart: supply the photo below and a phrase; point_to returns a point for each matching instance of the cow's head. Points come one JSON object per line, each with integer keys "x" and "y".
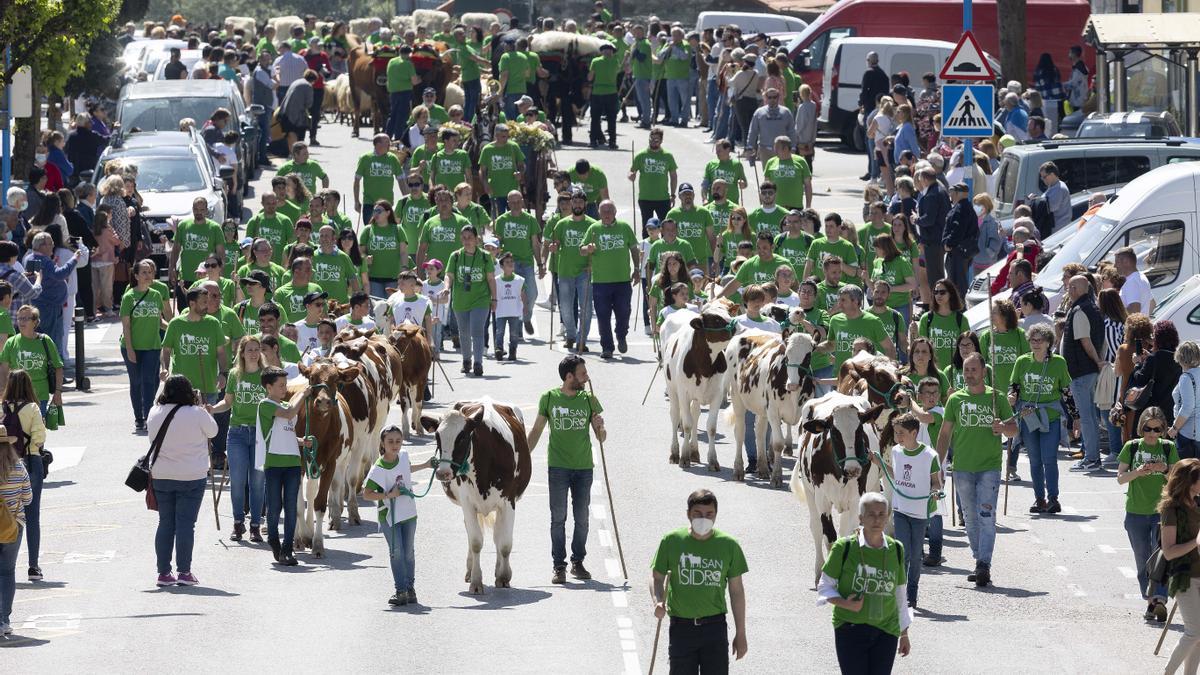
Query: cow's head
{"x": 715, "y": 324}
{"x": 404, "y": 335}
{"x": 381, "y": 311}
{"x": 844, "y": 425}
{"x": 327, "y": 376}
{"x": 453, "y": 432}
{"x": 798, "y": 351}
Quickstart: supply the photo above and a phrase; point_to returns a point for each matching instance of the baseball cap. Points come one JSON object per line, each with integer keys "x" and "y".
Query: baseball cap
{"x": 429, "y": 91}
{"x": 958, "y": 187}
{"x": 246, "y": 241}
{"x": 525, "y": 100}
{"x": 257, "y": 277}
{"x": 491, "y": 241}
{"x": 577, "y": 191}
{"x": 685, "y": 187}
{"x": 607, "y": 45}
{"x": 314, "y": 296}
{"x": 433, "y": 262}
{"x": 696, "y": 272}
{"x": 653, "y": 224}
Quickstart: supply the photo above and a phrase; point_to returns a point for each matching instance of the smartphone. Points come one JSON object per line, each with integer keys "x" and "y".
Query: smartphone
{"x": 34, "y": 266}
{"x": 1137, "y": 346}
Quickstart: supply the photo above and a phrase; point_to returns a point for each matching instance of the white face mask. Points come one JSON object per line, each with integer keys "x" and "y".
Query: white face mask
{"x": 702, "y": 526}
{"x": 40, "y": 158}
{"x": 978, "y": 210}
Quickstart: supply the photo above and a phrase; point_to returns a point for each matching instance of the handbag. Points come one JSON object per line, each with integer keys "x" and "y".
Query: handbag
{"x": 1106, "y": 386}
{"x": 139, "y": 476}
{"x": 1158, "y": 568}
{"x": 1143, "y": 398}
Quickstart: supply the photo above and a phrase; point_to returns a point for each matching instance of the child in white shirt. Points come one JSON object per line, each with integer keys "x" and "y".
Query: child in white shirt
{"x": 510, "y": 307}
{"x": 653, "y": 230}
{"x": 435, "y": 289}
{"x": 753, "y": 319}
{"x": 390, "y": 483}
{"x": 409, "y": 306}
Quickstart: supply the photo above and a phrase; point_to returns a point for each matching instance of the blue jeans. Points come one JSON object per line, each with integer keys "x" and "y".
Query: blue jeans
{"x": 472, "y": 329}
{"x": 1187, "y": 447}
{"x": 510, "y": 106}
{"x": 527, "y": 272}
{"x": 403, "y": 555}
{"x": 400, "y": 105}
{"x": 52, "y": 321}
{"x": 722, "y": 119}
{"x": 217, "y": 446}
{"x": 143, "y": 380}
{"x": 933, "y": 532}
{"x": 378, "y": 288}
{"x": 713, "y": 94}
{"x": 283, "y": 487}
{"x": 977, "y": 492}
{"x": 8, "y": 577}
{"x": 243, "y": 476}
{"x": 471, "y": 91}
{"x": 178, "y": 505}
{"x": 264, "y": 135}
{"x": 822, "y": 373}
{"x": 911, "y": 532}
{"x": 641, "y": 87}
{"x": 510, "y": 325}
{"x": 1113, "y": 432}
{"x": 677, "y": 100}
{"x": 579, "y": 483}
{"x": 572, "y": 292}
{"x": 610, "y": 298}
{"x": 1042, "y": 447}
{"x": 1143, "y": 535}
{"x": 1082, "y": 389}
{"x": 33, "y": 512}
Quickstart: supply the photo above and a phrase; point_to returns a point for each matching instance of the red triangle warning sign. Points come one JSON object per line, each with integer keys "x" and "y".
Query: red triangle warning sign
{"x": 967, "y": 61}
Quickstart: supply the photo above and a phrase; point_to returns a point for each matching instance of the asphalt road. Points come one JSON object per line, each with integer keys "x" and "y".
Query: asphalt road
{"x": 1063, "y": 599}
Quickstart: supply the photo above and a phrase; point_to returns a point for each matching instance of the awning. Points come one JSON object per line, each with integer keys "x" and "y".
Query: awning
{"x": 1150, "y": 31}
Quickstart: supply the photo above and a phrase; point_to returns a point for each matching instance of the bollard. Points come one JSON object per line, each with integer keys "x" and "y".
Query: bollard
{"x": 81, "y": 382}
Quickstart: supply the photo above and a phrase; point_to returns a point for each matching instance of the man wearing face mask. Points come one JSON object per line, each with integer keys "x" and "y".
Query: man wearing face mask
{"x": 700, "y": 562}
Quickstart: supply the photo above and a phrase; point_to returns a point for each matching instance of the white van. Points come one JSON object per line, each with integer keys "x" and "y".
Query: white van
{"x": 846, "y": 61}
{"x": 750, "y": 23}
{"x": 1155, "y": 214}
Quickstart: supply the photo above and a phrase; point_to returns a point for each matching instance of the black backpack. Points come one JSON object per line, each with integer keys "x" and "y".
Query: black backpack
{"x": 1042, "y": 218}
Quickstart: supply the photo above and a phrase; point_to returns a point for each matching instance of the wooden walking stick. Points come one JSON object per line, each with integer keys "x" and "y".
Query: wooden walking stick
{"x": 995, "y": 403}
{"x": 612, "y": 509}
{"x": 583, "y": 309}
{"x": 658, "y": 627}
{"x": 1157, "y": 647}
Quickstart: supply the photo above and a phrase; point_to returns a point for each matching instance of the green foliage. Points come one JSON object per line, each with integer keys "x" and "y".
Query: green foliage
{"x": 214, "y": 13}
{"x": 53, "y": 36}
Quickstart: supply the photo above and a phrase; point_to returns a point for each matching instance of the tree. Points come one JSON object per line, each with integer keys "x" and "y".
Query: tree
{"x": 1010, "y": 15}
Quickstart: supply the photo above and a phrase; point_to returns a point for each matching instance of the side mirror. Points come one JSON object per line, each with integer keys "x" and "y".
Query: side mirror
{"x": 225, "y": 172}
{"x": 256, "y": 109}
{"x": 86, "y": 175}
{"x": 803, "y": 58}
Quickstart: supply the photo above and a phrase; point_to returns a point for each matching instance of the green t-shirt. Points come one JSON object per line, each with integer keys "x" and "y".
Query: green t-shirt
{"x": 475, "y": 215}
{"x": 290, "y": 298}
{"x": 611, "y": 262}
{"x": 410, "y": 212}
{"x": 462, "y": 55}
{"x": 29, "y": 354}
{"x": 943, "y": 387}
{"x": 569, "y": 418}
{"x": 450, "y": 167}
{"x": 400, "y": 72}
{"x": 266, "y": 420}
{"x": 822, "y": 248}
{"x": 193, "y": 346}
{"x": 732, "y": 171}
{"x": 1142, "y": 494}
{"x": 641, "y": 62}
{"x": 265, "y": 45}
{"x": 729, "y": 246}
{"x": 277, "y": 229}
{"x": 957, "y": 380}
{"x": 592, "y": 184}
{"x": 196, "y": 242}
{"x": 516, "y": 233}
{"x": 228, "y": 290}
{"x": 247, "y": 391}
{"x": 976, "y": 448}
{"x": 441, "y": 237}
{"x": 535, "y": 62}
{"x": 794, "y": 250}
{"x": 247, "y": 313}
{"x": 694, "y": 226}
{"x": 676, "y": 65}
{"x": 1040, "y": 381}
{"x": 144, "y": 309}
{"x": 502, "y": 163}
{"x": 424, "y": 154}
{"x": 818, "y": 317}
{"x": 382, "y": 243}
{"x": 866, "y": 243}
{"x": 943, "y": 332}
{"x": 895, "y": 272}
{"x": 291, "y": 210}
{"x": 309, "y": 172}
{"x": 768, "y": 221}
{"x": 1009, "y": 346}
{"x": 789, "y": 177}
{"x": 6, "y": 323}
{"x": 604, "y": 70}
{"x": 654, "y": 172}
{"x": 827, "y": 296}
{"x": 662, "y": 246}
{"x": 720, "y": 213}
{"x": 845, "y": 331}
{"x": 759, "y": 271}
{"x": 475, "y": 269}
{"x": 517, "y": 67}
{"x": 275, "y": 273}
{"x": 873, "y": 573}
{"x": 378, "y": 174}
{"x": 700, "y": 570}
{"x": 569, "y": 234}
{"x": 333, "y": 272}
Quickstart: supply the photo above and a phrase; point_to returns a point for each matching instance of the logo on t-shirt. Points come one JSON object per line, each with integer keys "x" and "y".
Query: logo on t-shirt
{"x": 145, "y": 311}
{"x": 873, "y": 580}
{"x": 695, "y": 570}
{"x": 972, "y": 414}
{"x": 29, "y": 360}
{"x": 382, "y": 243}
{"x": 784, "y": 171}
{"x": 193, "y": 345}
{"x": 501, "y": 162}
{"x": 248, "y": 393}
{"x": 513, "y": 229}
{"x": 610, "y": 242}
{"x": 652, "y": 165}
{"x": 563, "y": 418}
{"x": 377, "y": 169}
{"x": 195, "y": 241}
{"x": 326, "y": 271}
{"x": 442, "y": 234}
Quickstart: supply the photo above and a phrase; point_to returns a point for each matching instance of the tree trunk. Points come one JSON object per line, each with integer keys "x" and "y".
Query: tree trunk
{"x": 1010, "y": 15}
{"x": 25, "y": 137}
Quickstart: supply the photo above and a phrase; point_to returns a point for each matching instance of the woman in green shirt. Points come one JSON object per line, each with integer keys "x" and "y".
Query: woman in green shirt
{"x": 141, "y": 342}
{"x": 736, "y": 231}
{"x": 1039, "y": 381}
{"x": 471, "y": 276}
{"x": 673, "y": 272}
{"x": 968, "y": 344}
{"x": 893, "y": 267}
{"x": 944, "y": 321}
{"x": 922, "y": 363}
{"x": 1001, "y": 346}
{"x": 464, "y": 204}
{"x": 243, "y": 393}
{"x": 902, "y": 236}
{"x": 348, "y": 242}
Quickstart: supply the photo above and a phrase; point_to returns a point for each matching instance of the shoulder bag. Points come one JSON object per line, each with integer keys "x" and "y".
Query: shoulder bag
{"x": 139, "y": 476}
{"x": 1158, "y": 567}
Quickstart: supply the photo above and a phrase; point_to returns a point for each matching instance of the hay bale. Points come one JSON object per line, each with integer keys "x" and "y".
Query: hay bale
{"x": 247, "y": 24}
{"x": 454, "y": 95}
{"x": 431, "y": 19}
{"x": 362, "y": 27}
{"x": 555, "y": 41}
{"x": 402, "y": 23}
{"x": 283, "y": 27}
{"x": 482, "y": 20}
{"x": 334, "y": 93}
{"x": 322, "y": 25}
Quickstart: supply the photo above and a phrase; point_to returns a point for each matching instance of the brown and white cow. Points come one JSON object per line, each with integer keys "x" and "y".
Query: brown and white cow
{"x": 326, "y": 417}
{"x": 416, "y": 358}
{"x": 770, "y": 378}
{"x": 833, "y": 467}
{"x": 879, "y": 378}
{"x": 484, "y": 464}
{"x": 694, "y": 367}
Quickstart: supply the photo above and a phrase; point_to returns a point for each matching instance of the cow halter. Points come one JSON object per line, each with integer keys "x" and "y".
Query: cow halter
{"x": 890, "y": 394}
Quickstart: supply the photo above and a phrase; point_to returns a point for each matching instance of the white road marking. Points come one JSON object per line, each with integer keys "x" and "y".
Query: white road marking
{"x": 626, "y": 634}
{"x": 632, "y": 667}
{"x": 1048, "y": 553}
{"x": 613, "y": 567}
{"x": 1127, "y": 572}
{"x": 1087, "y": 529}
{"x": 1076, "y": 590}
{"x": 624, "y": 622}
{"x": 605, "y": 538}
{"x": 76, "y": 557}
{"x": 619, "y": 599}
{"x": 66, "y": 457}
{"x": 1105, "y": 548}
{"x": 52, "y": 622}
{"x": 598, "y": 512}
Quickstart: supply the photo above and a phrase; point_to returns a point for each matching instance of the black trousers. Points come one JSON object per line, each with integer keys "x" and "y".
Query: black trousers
{"x": 935, "y": 257}
{"x": 864, "y": 649}
{"x": 604, "y": 106}
{"x": 653, "y": 207}
{"x": 698, "y": 649}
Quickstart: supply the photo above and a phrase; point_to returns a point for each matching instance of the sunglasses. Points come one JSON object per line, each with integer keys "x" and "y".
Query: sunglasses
{"x": 1152, "y": 429}
{"x": 414, "y": 185}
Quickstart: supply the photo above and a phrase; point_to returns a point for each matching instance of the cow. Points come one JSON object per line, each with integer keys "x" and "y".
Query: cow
{"x": 326, "y": 417}
{"x": 694, "y": 367}
{"x": 484, "y": 464}
{"x": 832, "y": 465}
{"x": 770, "y": 378}
{"x": 368, "y": 82}
{"x": 880, "y": 379}
{"x": 416, "y": 358}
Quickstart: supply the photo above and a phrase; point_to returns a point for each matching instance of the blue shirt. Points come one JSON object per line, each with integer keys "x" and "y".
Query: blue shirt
{"x": 54, "y": 279}
{"x": 1186, "y": 400}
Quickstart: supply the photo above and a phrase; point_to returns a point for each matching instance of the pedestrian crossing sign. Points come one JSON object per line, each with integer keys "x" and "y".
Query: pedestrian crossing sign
{"x": 968, "y": 110}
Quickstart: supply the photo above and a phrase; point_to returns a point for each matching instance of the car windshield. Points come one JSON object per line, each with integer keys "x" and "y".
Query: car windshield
{"x": 1075, "y": 249}
{"x": 1177, "y": 294}
{"x": 163, "y": 114}
{"x": 166, "y": 174}
{"x": 1106, "y": 129}
{"x": 1006, "y": 184}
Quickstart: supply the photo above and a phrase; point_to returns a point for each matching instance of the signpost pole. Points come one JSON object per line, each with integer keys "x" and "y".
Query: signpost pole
{"x": 968, "y": 146}
{"x": 6, "y": 168}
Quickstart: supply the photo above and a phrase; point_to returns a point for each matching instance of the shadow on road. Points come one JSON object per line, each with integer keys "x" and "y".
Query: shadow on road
{"x": 202, "y": 591}
{"x": 503, "y": 598}
{"x": 939, "y": 618}
{"x": 16, "y": 641}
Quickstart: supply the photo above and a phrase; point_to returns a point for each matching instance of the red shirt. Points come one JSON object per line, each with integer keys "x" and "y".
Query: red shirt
{"x": 1032, "y": 250}
{"x": 54, "y": 178}
{"x": 319, "y": 63}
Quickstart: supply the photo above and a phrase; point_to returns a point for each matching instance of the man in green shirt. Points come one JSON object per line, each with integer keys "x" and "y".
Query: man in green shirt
{"x": 570, "y": 412}
{"x": 514, "y": 74}
{"x": 757, "y": 270}
{"x": 437, "y": 114}
{"x": 611, "y": 245}
{"x": 975, "y": 418}
{"x": 518, "y": 233}
{"x": 268, "y": 324}
{"x": 440, "y": 234}
{"x": 333, "y": 270}
{"x": 695, "y": 225}
{"x": 651, "y": 169}
{"x": 450, "y": 165}
{"x": 676, "y": 57}
{"x": 376, "y": 172}
{"x": 602, "y": 73}
{"x": 401, "y": 77}
{"x": 275, "y": 227}
{"x": 641, "y": 69}
{"x": 300, "y": 164}
{"x": 849, "y": 323}
{"x": 867, "y": 234}
{"x": 594, "y": 184}
{"x": 700, "y": 562}
{"x": 267, "y": 43}
{"x": 468, "y": 60}
{"x": 769, "y": 216}
{"x": 385, "y": 249}
{"x": 794, "y": 242}
{"x": 411, "y": 213}
{"x": 500, "y": 166}
{"x": 195, "y": 239}
{"x": 727, "y": 167}
{"x": 791, "y": 174}
{"x": 833, "y": 244}
{"x": 197, "y": 341}
{"x": 290, "y": 296}
{"x": 574, "y": 277}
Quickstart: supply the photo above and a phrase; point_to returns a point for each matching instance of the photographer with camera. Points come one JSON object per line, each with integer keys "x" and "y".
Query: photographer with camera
{"x": 471, "y": 275}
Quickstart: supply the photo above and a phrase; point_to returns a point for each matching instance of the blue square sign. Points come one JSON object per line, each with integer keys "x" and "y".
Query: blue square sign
{"x": 968, "y": 109}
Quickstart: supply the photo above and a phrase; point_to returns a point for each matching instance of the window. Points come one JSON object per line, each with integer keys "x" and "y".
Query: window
{"x": 1185, "y": 158}
{"x": 914, "y": 64}
{"x": 820, "y": 47}
{"x": 1116, "y": 170}
{"x": 1071, "y": 170}
{"x": 1194, "y": 316}
{"x": 1159, "y": 248}
{"x": 1006, "y": 183}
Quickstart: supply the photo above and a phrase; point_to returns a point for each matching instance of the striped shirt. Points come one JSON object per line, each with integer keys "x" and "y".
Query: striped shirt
{"x": 288, "y": 68}
{"x": 16, "y": 492}
{"x": 1114, "y": 335}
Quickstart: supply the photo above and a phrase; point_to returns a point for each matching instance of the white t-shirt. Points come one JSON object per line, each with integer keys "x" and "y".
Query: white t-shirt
{"x": 382, "y": 479}
{"x": 1137, "y": 289}
{"x": 306, "y": 337}
{"x": 764, "y": 323}
{"x": 439, "y": 306}
{"x": 279, "y": 440}
{"x": 645, "y": 259}
{"x": 409, "y": 311}
{"x": 791, "y": 300}
{"x": 508, "y": 297}
{"x": 228, "y": 154}
{"x": 343, "y": 321}
{"x": 911, "y": 475}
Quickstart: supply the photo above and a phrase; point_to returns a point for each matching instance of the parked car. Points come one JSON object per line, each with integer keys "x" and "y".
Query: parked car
{"x": 156, "y": 51}
{"x": 846, "y": 63}
{"x": 174, "y": 168}
{"x": 1156, "y": 214}
{"x": 1182, "y": 307}
{"x": 751, "y": 23}
{"x": 1129, "y": 125}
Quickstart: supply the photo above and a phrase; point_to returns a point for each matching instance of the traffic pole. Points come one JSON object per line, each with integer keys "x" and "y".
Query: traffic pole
{"x": 968, "y": 144}
{"x": 6, "y": 167}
